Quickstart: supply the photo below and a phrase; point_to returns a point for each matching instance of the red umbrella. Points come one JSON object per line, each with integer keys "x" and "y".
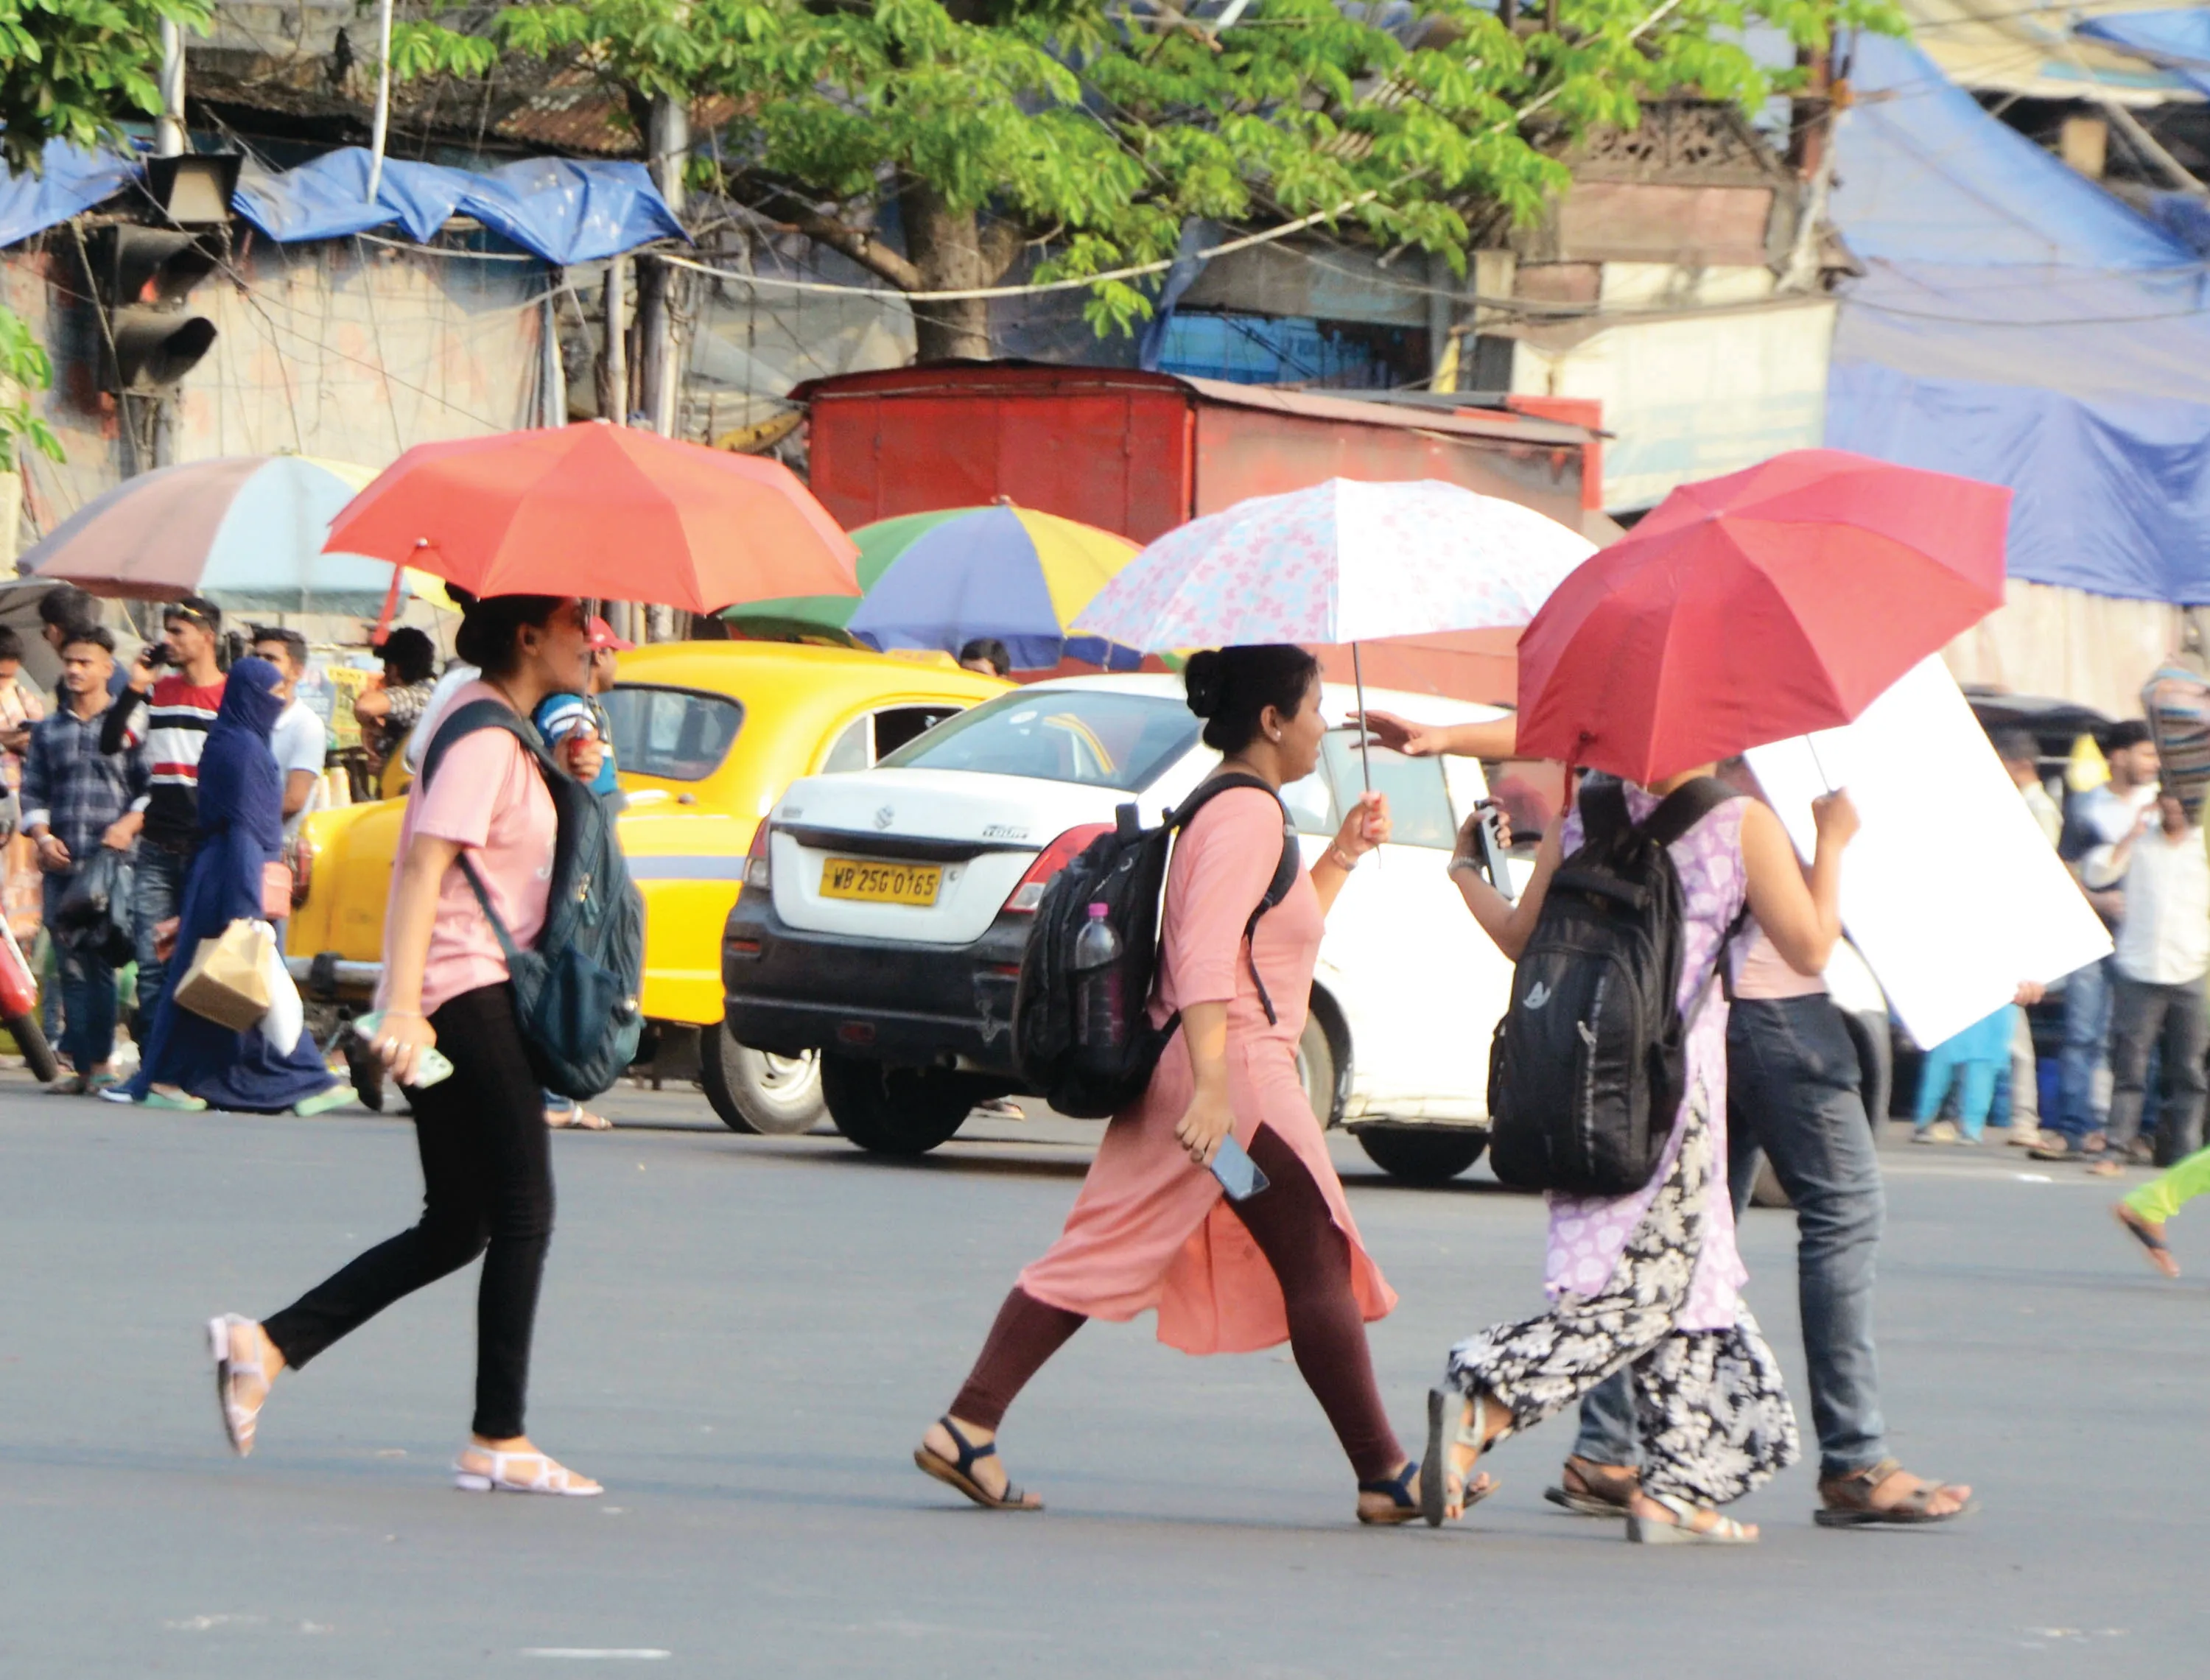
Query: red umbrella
{"x": 602, "y": 511}
{"x": 1750, "y": 608}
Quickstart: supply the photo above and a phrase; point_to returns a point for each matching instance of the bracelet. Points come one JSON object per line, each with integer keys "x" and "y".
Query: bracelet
{"x": 1342, "y": 859}
{"x": 1457, "y": 864}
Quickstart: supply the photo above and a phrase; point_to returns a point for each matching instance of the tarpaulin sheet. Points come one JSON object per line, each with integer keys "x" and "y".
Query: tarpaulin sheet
{"x": 70, "y": 180}
{"x": 2019, "y": 325}
{"x": 2179, "y": 40}
{"x": 558, "y": 208}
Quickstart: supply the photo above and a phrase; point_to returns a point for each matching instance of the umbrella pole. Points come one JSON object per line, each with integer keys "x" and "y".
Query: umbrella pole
{"x": 1365, "y": 754}
{"x": 1825, "y": 780}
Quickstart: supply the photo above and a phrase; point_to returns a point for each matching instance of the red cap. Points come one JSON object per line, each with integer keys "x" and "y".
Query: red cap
{"x": 602, "y": 635}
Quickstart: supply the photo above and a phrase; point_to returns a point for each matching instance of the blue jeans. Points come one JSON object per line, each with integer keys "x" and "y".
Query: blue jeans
{"x": 1792, "y": 1078}
{"x": 157, "y": 883}
{"x": 2086, "y": 1051}
{"x": 88, "y": 989}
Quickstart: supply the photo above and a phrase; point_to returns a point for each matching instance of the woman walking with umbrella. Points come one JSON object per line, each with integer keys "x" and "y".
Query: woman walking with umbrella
{"x": 1772, "y": 603}
{"x": 1151, "y": 1228}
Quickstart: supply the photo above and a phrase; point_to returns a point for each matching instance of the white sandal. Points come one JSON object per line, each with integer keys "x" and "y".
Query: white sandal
{"x": 238, "y": 1419}
{"x": 1448, "y": 1426}
{"x": 1723, "y": 1531}
{"x": 551, "y": 1476}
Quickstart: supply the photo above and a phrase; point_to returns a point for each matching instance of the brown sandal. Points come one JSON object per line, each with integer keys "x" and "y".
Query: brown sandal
{"x": 1603, "y": 1489}
{"x": 961, "y": 1474}
{"x": 1849, "y": 1501}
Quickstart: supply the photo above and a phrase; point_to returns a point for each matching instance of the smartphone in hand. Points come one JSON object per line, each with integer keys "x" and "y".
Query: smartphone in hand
{"x": 1238, "y": 1173}
{"x": 431, "y": 1066}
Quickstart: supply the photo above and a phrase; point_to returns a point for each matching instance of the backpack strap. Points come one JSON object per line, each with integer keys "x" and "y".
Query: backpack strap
{"x": 480, "y": 714}
{"x": 1286, "y": 871}
{"x": 1686, "y": 806}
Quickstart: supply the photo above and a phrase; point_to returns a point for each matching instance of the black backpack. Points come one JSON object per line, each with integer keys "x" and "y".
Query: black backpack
{"x": 1125, "y": 870}
{"x": 1586, "y": 1071}
{"x": 576, "y": 994}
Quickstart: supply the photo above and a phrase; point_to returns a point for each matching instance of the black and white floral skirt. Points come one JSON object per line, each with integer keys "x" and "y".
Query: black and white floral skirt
{"x": 1712, "y": 1414}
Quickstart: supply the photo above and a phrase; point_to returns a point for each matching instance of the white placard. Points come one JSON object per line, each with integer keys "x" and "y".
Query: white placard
{"x": 1950, "y": 889}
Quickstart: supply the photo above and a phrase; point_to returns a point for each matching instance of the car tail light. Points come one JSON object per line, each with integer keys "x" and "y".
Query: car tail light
{"x": 757, "y": 875}
{"x": 300, "y": 855}
{"x": 1049, "y": 862}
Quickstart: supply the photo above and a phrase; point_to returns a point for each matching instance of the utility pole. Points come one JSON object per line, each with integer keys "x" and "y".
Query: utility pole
{"x": 659, "y": 384}
{"x": 169, "y": 129}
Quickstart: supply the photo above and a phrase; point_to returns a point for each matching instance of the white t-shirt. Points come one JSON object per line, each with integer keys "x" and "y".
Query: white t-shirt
{"x": 297, "y": 743}
{"x": 456, "y": 677}
{"x": 2165, "y": 938}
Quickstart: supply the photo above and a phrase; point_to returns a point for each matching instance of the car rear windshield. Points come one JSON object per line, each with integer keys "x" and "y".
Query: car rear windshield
{"x": 677, "y": 733}
{"x": 1100, "y": 738}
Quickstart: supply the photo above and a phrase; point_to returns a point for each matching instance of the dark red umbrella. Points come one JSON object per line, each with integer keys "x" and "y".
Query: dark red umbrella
{"x": 1750, "y": 608}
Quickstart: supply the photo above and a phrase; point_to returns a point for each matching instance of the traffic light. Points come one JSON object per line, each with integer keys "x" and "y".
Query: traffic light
{"x": 144, "y": 276}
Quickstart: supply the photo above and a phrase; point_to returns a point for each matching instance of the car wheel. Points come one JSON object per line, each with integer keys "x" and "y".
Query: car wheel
{"x": 893, "y": 1111}
{"x": 755, "y": 1091}
{"x": 1316, "y": 1067}
{"x": 1422, "y": 1155}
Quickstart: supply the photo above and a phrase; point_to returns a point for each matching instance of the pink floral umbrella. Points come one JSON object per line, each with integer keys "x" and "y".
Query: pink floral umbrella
{"x": 1342, "y": 561}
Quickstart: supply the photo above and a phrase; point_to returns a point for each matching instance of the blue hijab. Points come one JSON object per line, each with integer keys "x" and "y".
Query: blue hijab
{"x": 241, "y": 806}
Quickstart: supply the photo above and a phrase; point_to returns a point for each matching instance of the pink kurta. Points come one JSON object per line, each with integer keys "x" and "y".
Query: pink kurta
{"x": 1150, "y": 1229}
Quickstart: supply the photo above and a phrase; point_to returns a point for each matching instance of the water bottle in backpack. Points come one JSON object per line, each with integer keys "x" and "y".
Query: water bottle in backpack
{"x": 1101, "y": 1021}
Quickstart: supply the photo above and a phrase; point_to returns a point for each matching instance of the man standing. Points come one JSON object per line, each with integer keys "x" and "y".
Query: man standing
{"x": 63, "y": 609}
{"x": 2022, "y": 756}
{"x": 2156, "y": 989}
{"x": 75, "y": 798}
{"x": 297, "y": 741}
{"x": 169, "y": 717}
{"x": 2100, "y": 818}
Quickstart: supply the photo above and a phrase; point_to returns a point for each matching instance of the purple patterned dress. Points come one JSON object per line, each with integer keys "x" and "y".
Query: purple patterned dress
{"x": 1650, "y": 1280}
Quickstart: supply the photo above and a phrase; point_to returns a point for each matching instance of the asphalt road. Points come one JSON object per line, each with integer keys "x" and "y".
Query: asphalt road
{"x": 744, "y": 1337}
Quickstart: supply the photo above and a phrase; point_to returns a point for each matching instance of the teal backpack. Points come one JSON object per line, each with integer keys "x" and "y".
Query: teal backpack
{"x": 578, "y": 1006}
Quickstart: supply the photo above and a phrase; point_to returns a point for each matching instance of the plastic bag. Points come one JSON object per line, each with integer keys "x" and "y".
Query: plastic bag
{"x": 94, "y": 913}
{"x": 287, "y": 1017}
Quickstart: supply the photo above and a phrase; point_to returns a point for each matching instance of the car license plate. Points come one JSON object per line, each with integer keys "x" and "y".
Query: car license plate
{"x": 880, "y": 883}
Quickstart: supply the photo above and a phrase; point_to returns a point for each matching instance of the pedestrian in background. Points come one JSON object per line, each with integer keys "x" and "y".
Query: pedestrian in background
{"x": 2022, "y": 756}
{"x": 487, "y": 1160}
{"x": 189, "y": 1062}
{"x": 1651, "y": 1281}
{"x": 2099, "y": 818}
{"x": 1795, "y": 1095}
{"x": 986, "y": 656}
{"x": 299, "y": 742}
{"x": 1151, "y": 1227}
{"x": 569, "y": 721}
{"x": 64, "y": 610}
{"x": 21, "y": 706}
{"x": 2157, "y": 991}
{"x": 78, "y": 798}
{"x": 169, "y": 716}
{"x": 388, "y": 711}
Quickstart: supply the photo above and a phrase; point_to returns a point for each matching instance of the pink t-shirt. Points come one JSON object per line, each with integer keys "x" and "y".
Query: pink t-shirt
{"x": 489, "y": 798}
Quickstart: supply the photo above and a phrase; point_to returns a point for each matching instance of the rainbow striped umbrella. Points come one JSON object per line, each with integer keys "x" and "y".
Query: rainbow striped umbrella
{"x": 940, "y": 579}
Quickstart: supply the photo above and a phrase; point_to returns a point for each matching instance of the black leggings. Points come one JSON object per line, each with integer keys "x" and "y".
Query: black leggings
{"x": 487, "y": 1189}
{"x": 1291, "y": 1223}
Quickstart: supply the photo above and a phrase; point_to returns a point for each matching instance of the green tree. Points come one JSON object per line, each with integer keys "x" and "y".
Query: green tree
{"x": 1090, "y": 129}
{"x": 70, "y": 69}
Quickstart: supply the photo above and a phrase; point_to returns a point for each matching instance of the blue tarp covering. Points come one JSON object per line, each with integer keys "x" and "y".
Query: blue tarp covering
{"x": 68, "y": 182}
{"x": 559, "y": 209}
{"x": 2178, "y": 40}
{"x": 2019, "y": 325}
{"x": 563, "y": 211}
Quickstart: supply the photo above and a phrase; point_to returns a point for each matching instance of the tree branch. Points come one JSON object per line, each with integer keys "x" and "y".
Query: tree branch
{"x": 861, "y": 246}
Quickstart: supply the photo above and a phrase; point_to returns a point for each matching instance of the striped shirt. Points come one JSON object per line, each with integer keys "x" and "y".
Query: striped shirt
{"x": 171, "y": 724}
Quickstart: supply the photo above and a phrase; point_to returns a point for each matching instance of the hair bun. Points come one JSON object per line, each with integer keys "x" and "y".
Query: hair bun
{"x": 1204, "y": 679}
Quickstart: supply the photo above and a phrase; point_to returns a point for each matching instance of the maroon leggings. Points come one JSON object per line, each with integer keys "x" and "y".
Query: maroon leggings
{"x": 1290, "y": 1222}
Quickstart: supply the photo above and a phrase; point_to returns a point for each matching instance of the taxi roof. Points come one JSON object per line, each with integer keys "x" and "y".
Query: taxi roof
{"x": 818, "y": 672}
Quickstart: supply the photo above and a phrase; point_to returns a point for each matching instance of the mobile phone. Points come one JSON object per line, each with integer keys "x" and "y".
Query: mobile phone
{"x": 1495, "y": 863}
{"x": 153, "y": 655}
{"x": 1238, "y": 1173}
{"x": 431, "y": 1066}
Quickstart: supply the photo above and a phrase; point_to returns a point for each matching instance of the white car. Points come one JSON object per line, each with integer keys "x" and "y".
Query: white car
{"x": 885, "y": 912}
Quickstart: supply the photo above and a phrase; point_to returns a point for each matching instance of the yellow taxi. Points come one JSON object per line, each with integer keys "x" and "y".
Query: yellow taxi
{"x": 707, "y": 735}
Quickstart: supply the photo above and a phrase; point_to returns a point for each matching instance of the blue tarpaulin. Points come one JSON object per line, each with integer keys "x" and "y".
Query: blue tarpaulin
{"x": 68, "y": 181}
{"x": 2178, "y": 40}
{"x": 555, "y": 207}
{"x": 562, "y": 210}
{"x": 2019, "y": 324}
